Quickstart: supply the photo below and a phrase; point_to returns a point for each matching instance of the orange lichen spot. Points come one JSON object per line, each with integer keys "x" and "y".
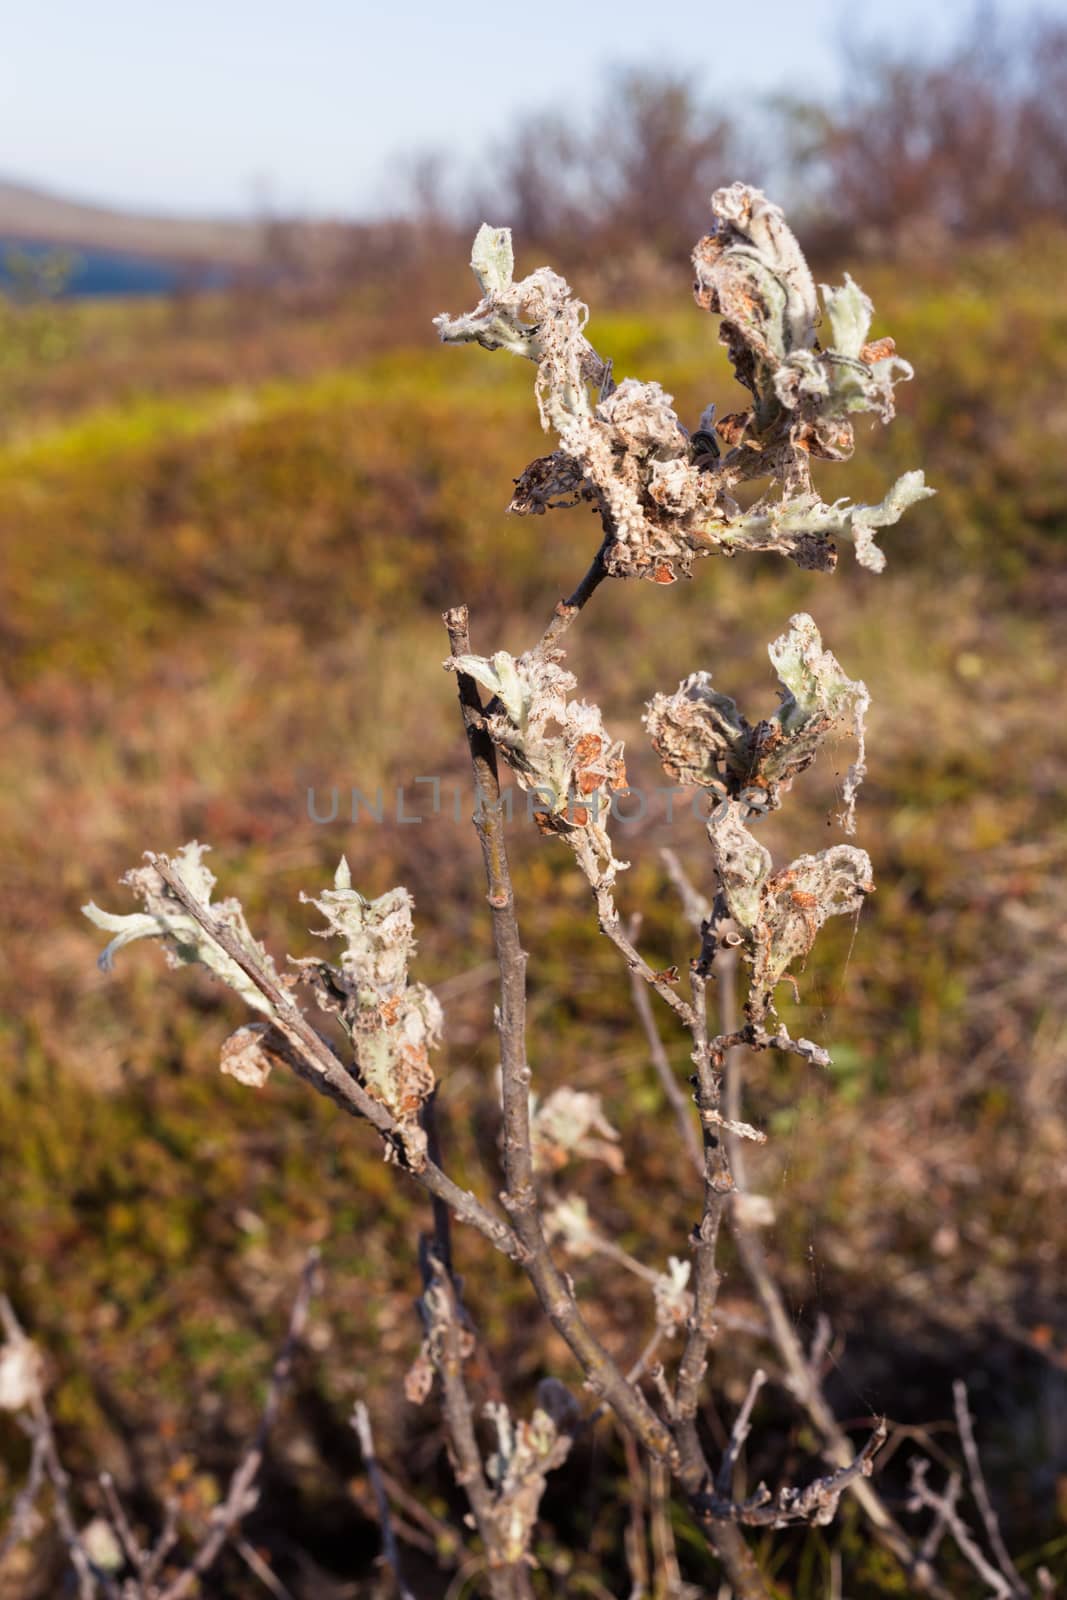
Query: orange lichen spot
{"x": 878, "y": 350}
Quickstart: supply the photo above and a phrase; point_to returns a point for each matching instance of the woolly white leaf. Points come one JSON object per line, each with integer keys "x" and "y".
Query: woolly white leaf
{"x": 186, "y": 941}
{"x": 20, "y": 1373}
{"x": 492, "y": 258}
{"x": 849, "y": 312}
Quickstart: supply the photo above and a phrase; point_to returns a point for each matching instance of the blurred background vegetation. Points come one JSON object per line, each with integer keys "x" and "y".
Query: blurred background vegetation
{"x": 232, "y": 513}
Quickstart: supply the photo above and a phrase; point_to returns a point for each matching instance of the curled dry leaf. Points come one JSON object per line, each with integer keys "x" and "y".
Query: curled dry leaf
{"x": 570, "y": 1125}
{"x": 558, "y": 748}
{"x": 674, "y": 1301}
{"x": 244, "y": 1055}
{"x": 184, "y": 939}
{"x": 418, "y": 1380}
{"x": 702, "y": 737}
{"x": 393, "y": 1022}
{"x": 780, "y": 913}
{"x": 526, "y": 1453}
{"x": 807, "y": 377}
{"x": 568, "y": 1220}
{"x": 665, "y": 495}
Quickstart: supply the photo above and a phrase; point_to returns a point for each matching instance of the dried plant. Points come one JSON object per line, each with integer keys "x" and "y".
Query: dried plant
{"x": 665, "y": 496}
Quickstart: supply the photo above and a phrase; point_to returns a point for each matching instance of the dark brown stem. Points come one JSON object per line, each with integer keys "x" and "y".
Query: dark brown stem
{"x": 568, "y": 609}
{"x": 442, "y": 1215}
{"x": 365, "y": 1434}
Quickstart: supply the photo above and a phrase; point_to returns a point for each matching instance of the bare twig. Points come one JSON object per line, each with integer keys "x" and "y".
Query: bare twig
{"x": 21, "y": 1522}
{"x": 664, "y": 1553}
{"x": 552, "y": 1288}
{"x": 801, "y": 1378}
{"x": 568, "y": 609}
{"x": 312, "y": 1059}
{"x": 611, "y": 925}
{"x": 68, "y": 1528}
{"x": 442, "y": 1540}
{"x": 442, "y": 1214}
{"x": 241, "y": 1494}
{"x": 739, "y": 1433}
{"x": 635, "y": 1537}
{"x": 697, "y": 907}
{"x": 131, "y": 1548}
{"x": 816, "y": 1503}
{"x": 445, "y": 1330}
{"x": 554, "y": 1291}
{"x": 680, "y": 1103}
{"x": 944, "y": 1508}
{"x": 259, "y": 1569}
{"x": 939, "y": 1526}
{"x": 965, "y": 1423}
{"x": 45, "y": 1457}
{"x": 361, "y": 1423}
{"x": 163, "y": 1546}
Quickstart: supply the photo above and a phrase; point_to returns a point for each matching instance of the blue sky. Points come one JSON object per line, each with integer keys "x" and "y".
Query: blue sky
{"x": 225, "y": 106}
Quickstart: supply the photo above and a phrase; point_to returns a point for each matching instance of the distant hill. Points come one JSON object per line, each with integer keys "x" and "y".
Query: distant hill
{"x": 118, "y": 252}
{"x": 122, "y": 252}
{"x": 35, "y": 215}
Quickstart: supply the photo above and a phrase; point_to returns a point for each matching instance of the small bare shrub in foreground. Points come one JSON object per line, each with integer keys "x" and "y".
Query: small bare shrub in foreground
{"x": 665, "y": 497}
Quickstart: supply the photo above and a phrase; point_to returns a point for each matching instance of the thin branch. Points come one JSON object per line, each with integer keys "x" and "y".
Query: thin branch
{"x": 680, "y": 1103}
{"x": 718, "y": 1183}
{"x": 944, "y": 1508}
{"x": 568, "y": 609}
{"x": 611, "y": 925}
{"x": 696, "y": 906}
{"x": 445, "y": 1330}
{"x": 553, "y": 1289}
{"x": 939, "y": 1526}
{"x": 68, "y": 1528}
{"x": 259, "y": 1569}
{"x": 442, "y": 1215}
{"x": 965, "y": 1423}
{"x": 802, "y": 1382}
{"x": 634, "y": 1539}
{"x": 163, "y": 1546}
{"x": 664, "y": 1553}
{"x": 131, "y": 1548}
{"x": 738, "y": 1434}
{"x": 443, "y": 1541}
{"x": 312, "y": 1059}
{"x": 361, "y": 1423}
{"x": 45, "y": 1456}
{"x": 241, "y": 1494}
{"x": 816, "y": 1503}
{"x": 21, "y": 1524}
